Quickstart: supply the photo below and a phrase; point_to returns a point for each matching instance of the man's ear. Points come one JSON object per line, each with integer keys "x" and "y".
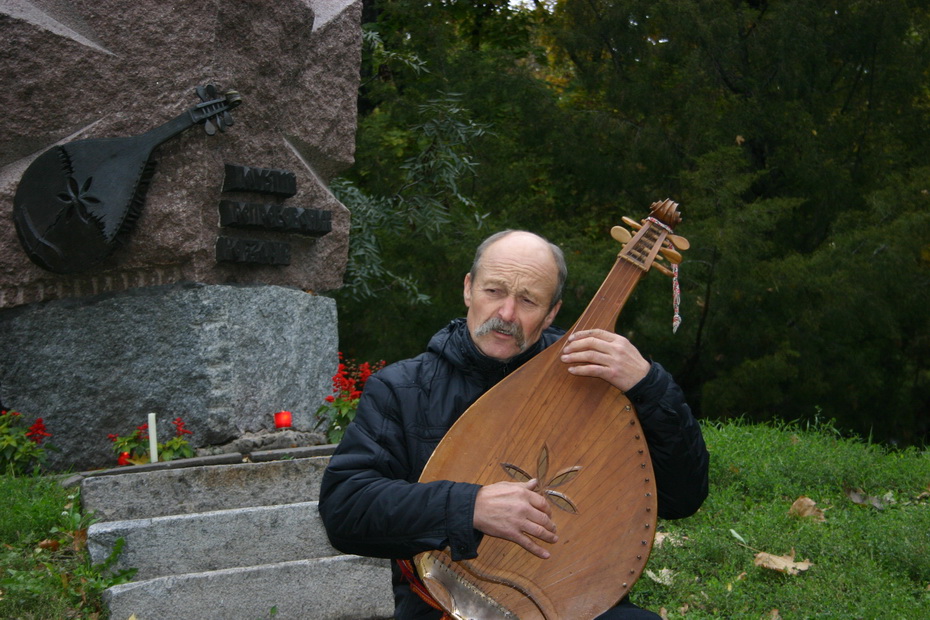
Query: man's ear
{"x": 551, "y": 316}
{"x": 467, "y": 292}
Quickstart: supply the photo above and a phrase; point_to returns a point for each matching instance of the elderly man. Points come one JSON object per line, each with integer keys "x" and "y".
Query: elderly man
{"x": 371, "y": 501}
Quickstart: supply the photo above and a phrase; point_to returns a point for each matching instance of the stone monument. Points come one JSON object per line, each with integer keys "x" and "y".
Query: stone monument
{"x": 205, "y": 301}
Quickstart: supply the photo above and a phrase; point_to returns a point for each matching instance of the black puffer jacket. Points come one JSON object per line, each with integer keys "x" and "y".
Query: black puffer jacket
{"x": 371, "y": 503}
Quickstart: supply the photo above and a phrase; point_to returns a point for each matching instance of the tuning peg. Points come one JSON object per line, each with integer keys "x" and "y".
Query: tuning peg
{"x": 671, "y": 255}
{"x": 662, "y": 269}
{"x": 631, "y": 223}
{"x": 206, "y": 93}
{"x": 679, "y": 242}
{"x": 621, "y": 234}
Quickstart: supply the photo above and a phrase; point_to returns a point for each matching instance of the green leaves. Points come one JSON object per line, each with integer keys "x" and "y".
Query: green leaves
{"x": 795, "y": 135}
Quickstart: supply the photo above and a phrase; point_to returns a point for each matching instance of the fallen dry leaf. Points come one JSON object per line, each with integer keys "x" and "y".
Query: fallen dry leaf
{"x": 781, "y": 563}
{"x": 671, "y": 539}
{"x": 51, "y": 545}
{"x": 79, "y": 539}
{"x": 774, "y": 615}
{"x": 665, "y": 576}
{"x": 858, "y": 496}
{"x": 806, "y": 507}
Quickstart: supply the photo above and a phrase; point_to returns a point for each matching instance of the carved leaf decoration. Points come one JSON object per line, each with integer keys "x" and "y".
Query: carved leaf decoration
{"x": 561, "y": 501}
{"x": 78, "y": 200}
{"x": 542, "y": 464}
{"x": 516, "y": 473}
{"x": 564, "y": 476}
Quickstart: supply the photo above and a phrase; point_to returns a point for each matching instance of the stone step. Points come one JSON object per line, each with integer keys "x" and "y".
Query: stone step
{"x": 186, "y": 490}
{"x": 340, "y": 587}
{"x": 206, "y": 541}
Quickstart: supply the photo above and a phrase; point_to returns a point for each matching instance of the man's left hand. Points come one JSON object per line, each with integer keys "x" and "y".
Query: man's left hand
{"x": 608, "y": 356}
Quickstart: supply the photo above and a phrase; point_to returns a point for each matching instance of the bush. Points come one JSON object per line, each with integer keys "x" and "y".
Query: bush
{"x": 21, "y": 448}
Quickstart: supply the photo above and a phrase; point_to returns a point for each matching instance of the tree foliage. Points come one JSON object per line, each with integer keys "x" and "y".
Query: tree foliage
{"x": 794, "y": 135}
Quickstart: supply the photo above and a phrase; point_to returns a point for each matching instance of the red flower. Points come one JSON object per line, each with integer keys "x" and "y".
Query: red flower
{"x": 113, "y": 437}
{"x": 330, "y": 398}
{"x": 123, "y": 458}
{"x": 179, "y": 429}
{"x": 37, "y": 431}
{"x": 142, "y": 431}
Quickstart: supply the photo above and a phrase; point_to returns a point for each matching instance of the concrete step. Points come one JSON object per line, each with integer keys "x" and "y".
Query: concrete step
{"x": 340, "y": 587}
{"x": 160, "y": 492}
{"x": 214, "y": 540}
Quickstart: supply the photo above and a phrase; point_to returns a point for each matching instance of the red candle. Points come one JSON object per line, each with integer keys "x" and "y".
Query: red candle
{"x": 282, "y": 419}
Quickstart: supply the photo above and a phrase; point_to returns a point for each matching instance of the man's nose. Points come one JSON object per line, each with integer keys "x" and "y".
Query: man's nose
{"x": 508, "y": 310}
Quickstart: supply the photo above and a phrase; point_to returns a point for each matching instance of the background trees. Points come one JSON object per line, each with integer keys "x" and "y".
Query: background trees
{"x": 794, "y": 135}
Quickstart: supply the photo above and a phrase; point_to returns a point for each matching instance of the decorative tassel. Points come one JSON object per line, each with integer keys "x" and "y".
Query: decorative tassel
{"x": 676, "y": 298}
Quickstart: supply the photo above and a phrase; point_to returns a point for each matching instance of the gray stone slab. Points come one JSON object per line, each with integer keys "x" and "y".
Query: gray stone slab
{"x": 334, "y": 588}
{"x": 198, "y": 489}
{"x": 297, "y": 452}
{"x": 215, "y": 540}
{"x": 71, "y": 480}
{"x": 223, "y": 358}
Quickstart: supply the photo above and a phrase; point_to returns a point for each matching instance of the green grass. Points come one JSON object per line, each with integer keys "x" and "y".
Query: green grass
{"x": 45, "y": 571}
{"x": 866, "y": 562}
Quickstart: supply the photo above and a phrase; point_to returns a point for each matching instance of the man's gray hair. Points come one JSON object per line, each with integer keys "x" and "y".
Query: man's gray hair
{"x": 557, "y": 255}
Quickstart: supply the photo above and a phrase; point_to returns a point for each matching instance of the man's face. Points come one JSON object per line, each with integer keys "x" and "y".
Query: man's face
{"x": 508, "y": 299}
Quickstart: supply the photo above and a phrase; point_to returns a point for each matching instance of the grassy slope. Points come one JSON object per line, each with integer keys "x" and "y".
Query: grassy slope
{"x": 867, "y": 563}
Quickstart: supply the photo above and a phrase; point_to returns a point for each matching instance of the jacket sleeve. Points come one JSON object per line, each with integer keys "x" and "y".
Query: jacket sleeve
{"x": 369, "y": 503}
{"x": 679, "y": 457}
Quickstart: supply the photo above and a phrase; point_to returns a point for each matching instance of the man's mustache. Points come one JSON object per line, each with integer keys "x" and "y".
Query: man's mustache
{"x": 497, "y": 324}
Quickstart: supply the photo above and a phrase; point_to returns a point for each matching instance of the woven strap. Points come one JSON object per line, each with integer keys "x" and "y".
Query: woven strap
{"x": 410, "y": 576}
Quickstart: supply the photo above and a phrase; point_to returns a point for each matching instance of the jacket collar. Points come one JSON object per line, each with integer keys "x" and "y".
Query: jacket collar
{"x": 454, "y": 343}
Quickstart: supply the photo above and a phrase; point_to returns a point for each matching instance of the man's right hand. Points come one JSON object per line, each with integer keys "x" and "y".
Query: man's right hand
{"x": 514, "y": 511}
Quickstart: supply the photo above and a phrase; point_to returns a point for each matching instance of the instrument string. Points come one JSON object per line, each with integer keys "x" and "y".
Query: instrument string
{"x": 506, "y": 565}
{"x": 616, "y": 289}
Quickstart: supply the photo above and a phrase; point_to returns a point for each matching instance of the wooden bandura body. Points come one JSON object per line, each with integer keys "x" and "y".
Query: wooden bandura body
{"x": 580, "y": 437}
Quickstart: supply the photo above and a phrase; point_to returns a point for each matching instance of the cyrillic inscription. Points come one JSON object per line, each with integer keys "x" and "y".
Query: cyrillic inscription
{"x": 259, "y": 180}
{"x": 312, "y": 222}
{"x": 256, "y": 251}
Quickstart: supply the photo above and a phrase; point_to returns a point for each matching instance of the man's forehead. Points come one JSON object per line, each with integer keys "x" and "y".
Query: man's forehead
{"x": 523, "y": 278}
